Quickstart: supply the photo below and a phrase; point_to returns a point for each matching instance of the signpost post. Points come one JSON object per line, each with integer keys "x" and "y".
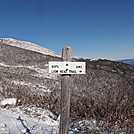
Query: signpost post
{"x": 66, "y": 68}
{"x": 65, "y": 93}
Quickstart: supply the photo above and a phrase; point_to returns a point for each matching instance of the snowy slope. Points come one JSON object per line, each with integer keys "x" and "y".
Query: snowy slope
{"x": 15, "y": 121}
{"x": 28, "y": 46}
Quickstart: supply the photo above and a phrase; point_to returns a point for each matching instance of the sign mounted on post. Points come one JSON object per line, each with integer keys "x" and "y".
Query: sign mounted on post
{"x": 67, "y": 67}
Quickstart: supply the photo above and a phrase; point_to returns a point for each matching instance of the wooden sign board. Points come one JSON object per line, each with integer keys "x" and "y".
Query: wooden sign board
{"x": 67, "y": 67}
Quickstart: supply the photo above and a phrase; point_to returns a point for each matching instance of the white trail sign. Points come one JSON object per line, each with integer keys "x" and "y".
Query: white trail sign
{"x": 67, "y": 67}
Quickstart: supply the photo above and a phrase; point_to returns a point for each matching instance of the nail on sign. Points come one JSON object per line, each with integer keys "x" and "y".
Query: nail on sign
{"x": 67, "y": 67}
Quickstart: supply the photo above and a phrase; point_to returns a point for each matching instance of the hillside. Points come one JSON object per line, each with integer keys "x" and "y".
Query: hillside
{"x": 29, "y": 46}
{"x": 106, "y": 84}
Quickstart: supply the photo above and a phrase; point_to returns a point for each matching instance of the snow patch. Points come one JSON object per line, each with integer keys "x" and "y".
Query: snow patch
{"x": 9, "y": 101}
{"x": 5, "y": 65}
{"x": 40, "y": 72}
{"x": 37, "y": 86}
{"x": 14, "y": 121}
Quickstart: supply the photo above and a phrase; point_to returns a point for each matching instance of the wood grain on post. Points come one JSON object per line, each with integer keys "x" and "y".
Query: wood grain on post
{"x": 65, "y": 93}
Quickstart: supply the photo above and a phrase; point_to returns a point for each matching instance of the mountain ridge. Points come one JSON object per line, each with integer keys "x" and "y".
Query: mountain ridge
{"x": 28, "y": 46}
{"x": 128, "y": 61}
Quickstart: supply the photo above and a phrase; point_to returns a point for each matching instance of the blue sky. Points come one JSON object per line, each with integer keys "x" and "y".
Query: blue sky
{"x": 93, "y": 28}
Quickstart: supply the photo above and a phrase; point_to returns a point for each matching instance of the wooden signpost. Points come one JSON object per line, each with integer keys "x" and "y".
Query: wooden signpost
{"x": 66, "y": 68}
{"x": 65, "y": 93}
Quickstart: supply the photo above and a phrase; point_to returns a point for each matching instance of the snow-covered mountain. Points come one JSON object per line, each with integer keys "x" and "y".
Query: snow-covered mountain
{"x": 29, "y": 46}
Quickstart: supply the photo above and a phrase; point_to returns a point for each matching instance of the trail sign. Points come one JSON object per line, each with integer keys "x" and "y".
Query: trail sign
{"x": 67, "y": 67}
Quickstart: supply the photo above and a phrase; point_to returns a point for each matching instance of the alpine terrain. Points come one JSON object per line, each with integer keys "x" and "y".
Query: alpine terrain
{"x": 102, "y": 100}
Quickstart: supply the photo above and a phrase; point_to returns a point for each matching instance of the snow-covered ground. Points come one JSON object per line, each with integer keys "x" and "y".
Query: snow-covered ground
{"x": 12, "y": 122}
{"x": 17, "y": 119}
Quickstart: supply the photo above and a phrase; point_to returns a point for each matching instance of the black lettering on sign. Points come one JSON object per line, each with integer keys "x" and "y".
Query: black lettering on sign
{"x": 72, "y": 71}
{"x": 63, "y": 71}
{"x": 55, "y": 66}
{"x": 78, "y": 66}
{"x": 54, "y": 71}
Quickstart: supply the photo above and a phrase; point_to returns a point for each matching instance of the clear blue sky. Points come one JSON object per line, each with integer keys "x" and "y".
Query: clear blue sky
{"x": 93, "y": 28}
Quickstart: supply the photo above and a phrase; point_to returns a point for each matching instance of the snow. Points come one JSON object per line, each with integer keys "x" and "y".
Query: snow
{"x": 40, "y": 72}
{"x": 40, "y": 121}
{"x": 11, "y": 120}
{"x": 37, "y": 86}
{"x": 9, "y": 101}
{"x": 5, "y": 65}
{"x": 28, "y": 46}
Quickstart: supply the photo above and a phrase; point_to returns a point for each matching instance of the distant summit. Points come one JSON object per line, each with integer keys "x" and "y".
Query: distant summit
{"x": 28, "y": 46}
{"x": 128, "y": 61}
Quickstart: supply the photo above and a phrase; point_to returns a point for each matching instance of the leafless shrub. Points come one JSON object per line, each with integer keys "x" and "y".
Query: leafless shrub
{"x": 115, "y": 110}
